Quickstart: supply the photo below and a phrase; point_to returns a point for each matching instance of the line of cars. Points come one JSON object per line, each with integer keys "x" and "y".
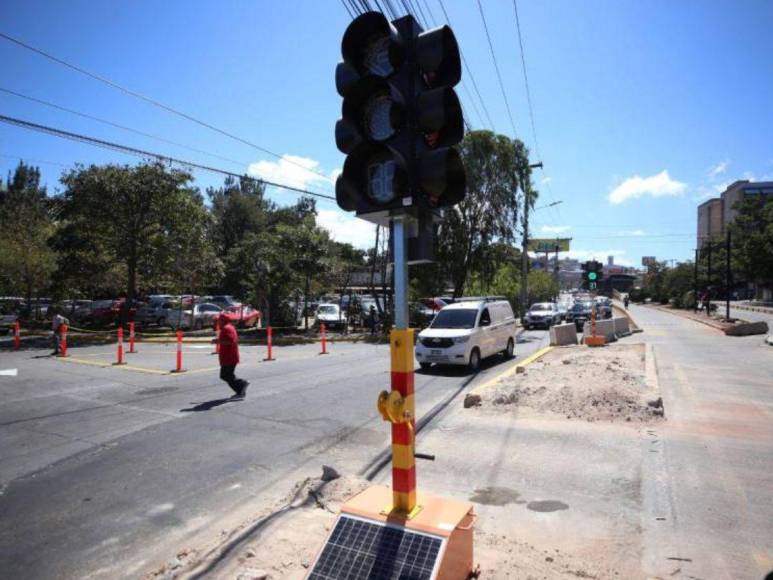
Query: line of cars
{"x": 547, "y": 314}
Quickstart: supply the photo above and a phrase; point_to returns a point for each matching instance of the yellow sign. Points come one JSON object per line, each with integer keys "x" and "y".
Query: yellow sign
{"x": 549, "y": 245}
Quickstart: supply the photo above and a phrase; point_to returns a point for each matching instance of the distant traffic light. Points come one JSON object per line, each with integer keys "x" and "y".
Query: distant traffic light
{"x": 592, "y": 274}
{"x": 400, "y": 117}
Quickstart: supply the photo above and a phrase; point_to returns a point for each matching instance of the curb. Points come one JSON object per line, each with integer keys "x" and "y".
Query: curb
{"x": 710, "y": 324}
{"x": 513, "y": 369}
{"x": 634, "y": 327}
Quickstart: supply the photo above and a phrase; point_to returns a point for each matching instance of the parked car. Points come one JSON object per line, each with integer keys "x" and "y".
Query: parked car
{"x": 156, "y": 311}
{"x": 579, "y": 313}
{"x": 544, "y": 314}
{"x": 466, "y": 332}
{"x": 196, "y": 317}
{"x": 102, "y": 312}
{"x": 240, "y": 314}
{"x": 330, "y": 315}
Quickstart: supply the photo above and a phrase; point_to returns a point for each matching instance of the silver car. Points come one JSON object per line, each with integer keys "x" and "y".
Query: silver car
{"x": 156, "y": 311}
{"x": 197, "y": 317}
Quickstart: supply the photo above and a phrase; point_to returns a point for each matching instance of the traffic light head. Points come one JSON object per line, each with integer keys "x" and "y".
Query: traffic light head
{"x": 400, "y": 118}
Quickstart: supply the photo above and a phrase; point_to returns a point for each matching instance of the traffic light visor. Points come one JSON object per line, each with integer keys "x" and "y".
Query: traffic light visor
{"x": 442, "y": 177}
{"x": 371, "y": 45}
{"x": 437, "y": 53}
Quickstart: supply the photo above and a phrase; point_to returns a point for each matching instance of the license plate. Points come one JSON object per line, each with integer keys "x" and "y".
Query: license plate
{"x": 435, "y": 352}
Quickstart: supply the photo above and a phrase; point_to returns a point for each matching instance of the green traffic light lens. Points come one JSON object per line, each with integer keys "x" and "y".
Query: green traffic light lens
{"x": 381, "y": 181}
{"x": 592, "y": 276}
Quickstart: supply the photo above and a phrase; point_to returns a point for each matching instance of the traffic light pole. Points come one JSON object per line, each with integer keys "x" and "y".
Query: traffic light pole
{"x": 399, "y": 406}
{"x": 728, "y": 276}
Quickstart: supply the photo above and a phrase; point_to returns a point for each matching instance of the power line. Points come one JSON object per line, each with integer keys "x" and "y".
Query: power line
{"x": 143, "y": 153}
{"x": 526, "y": 79}
{"x": 348, "y": 10}
{"x": 469, "y": 72}
{"x": 122, "y": 127}
{"x": 158, "y": 104}
{"x": 496, "y": 68}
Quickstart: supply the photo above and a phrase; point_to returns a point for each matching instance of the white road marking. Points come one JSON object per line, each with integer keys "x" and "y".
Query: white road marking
{"x": 9, "y": 373}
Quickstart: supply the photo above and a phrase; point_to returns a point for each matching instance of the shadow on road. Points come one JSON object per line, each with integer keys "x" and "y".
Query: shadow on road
{"x": 207, "y": 405}
{"x": 462, "y": 370}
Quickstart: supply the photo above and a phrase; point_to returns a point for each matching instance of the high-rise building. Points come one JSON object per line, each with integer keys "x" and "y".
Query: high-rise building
{"x": 714, "y": 215}
{"x": 610, "y": 260}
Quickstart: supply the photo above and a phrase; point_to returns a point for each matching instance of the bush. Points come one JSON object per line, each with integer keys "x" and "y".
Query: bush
{"x": 638, "y": 295}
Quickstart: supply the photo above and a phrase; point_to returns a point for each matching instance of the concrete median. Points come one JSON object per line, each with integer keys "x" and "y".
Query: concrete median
{"x": 622, "y": 328}
{"x": 563, "y": 334}
{"x": 605, "y": 328}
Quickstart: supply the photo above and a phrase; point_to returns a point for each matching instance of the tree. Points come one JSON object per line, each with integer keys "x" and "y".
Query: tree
{"x": 26, "y": 259}
{"x": 542, "y": 286}
{"x": 489, "y": 211}
{"x": 131, "y": 214}
{"x": 752, "y": 241}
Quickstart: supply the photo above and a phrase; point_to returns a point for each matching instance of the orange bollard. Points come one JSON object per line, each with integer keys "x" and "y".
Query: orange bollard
{"x": 324, "y": 339}
{"x": 269, "y": 337}
{"x": 179, "y": 368}
{"x": 63, "y": 341}
{"x": 16, "y": 336}
{"x": 119, "y": 354}
{"x": 131, "y": 338}
{"x": 217, "y": 336}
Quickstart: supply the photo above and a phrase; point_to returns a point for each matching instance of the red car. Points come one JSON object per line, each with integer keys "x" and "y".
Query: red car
{"x": 107, "y": 312}
{"x": 239, "y": 314}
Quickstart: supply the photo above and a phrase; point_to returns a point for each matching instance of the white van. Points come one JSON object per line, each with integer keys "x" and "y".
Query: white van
{"x": 467, "y": 331}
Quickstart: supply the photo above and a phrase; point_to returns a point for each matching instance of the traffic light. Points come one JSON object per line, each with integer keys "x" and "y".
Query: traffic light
{"x": 592, "y": 274}
{"x": 400, "y": 118}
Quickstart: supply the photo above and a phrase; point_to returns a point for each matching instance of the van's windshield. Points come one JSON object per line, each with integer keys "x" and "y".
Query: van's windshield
{"x": 456, "y": 318}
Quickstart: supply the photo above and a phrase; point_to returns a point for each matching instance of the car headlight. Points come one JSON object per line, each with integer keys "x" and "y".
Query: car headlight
{"x": 461, "y": 339}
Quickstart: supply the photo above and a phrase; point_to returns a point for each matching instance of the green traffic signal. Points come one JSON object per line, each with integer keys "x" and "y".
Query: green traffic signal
{"x": 592, "y": 276}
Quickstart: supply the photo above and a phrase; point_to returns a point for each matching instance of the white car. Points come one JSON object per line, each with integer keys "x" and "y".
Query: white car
{"x": 198, "y": 317}
{"x": 330, "y": 315}
{"x": 542, "y": 314}
{"x": 467, "y": 331}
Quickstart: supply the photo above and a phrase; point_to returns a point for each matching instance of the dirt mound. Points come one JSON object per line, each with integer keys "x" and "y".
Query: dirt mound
{"x": 578, "y": 383}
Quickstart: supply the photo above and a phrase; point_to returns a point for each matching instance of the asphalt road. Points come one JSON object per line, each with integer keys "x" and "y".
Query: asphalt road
{"x": 708, "y": 476}
{"x": 104, "y": 472}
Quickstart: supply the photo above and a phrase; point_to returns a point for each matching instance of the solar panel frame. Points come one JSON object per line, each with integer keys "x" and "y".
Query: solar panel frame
{"x": 338, "y": 561}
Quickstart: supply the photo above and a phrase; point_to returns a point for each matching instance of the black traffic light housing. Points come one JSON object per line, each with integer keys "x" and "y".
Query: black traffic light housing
{"x": 592, "y": 274}
{"x": 400, "y": 118}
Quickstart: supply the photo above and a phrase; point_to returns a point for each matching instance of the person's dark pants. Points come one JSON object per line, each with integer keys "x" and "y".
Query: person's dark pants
{"x": 227, "y": 374}
{"x": 55, "y": 342}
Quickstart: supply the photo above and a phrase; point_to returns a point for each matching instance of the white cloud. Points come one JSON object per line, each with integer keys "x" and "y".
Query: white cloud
{"x": 718, "y": 169}
{"x": 545, "y": 180}
{"x": 555, "y": 229}
{"x": 346, "y": 228}
{"x": 658, "y": 185}
{"x": 635, "y": 233}
{"x": 291, "y": 170}
{"x": 720, "y": 187}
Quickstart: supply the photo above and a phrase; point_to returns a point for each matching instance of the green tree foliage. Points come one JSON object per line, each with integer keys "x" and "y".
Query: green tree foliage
{"x": 542, "y": 286}
{"x": 489, "y": 211}
{"x": 139, "y": 218}
{"x": 26, "y": 260}
{"x": 752, "y": 241}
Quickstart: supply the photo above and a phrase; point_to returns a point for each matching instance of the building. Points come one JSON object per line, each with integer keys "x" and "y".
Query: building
{"x": 714, "y": 215}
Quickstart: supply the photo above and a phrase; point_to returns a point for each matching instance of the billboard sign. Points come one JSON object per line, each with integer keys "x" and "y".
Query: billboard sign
{"x": 549, "y": 244}
{"x": 648, "y": 261}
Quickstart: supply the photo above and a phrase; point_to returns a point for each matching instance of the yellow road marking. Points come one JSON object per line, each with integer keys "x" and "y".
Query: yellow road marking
{"x": 513, "y": 369}
{"x": 111, "y": 365}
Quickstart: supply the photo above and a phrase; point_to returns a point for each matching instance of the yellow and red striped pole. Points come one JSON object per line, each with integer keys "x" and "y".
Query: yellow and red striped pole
{"x": 403, "y": 442}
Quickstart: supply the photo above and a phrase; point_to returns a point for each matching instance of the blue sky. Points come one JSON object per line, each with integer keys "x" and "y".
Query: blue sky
{"x": 642, "y": 109}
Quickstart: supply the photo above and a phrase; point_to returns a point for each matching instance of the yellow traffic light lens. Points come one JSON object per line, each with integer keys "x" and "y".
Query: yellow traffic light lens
{"x": 378, "y": 118}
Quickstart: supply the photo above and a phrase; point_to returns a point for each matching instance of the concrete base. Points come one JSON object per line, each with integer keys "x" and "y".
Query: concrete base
{"x": 622, "y": 328}
{"x": 747, "y": 329}
{"x": 563, "y": 334}
{"x": 605, "y": 328}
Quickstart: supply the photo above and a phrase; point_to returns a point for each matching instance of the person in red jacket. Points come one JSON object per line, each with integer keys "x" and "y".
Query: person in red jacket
{"x": 229, "y": 357}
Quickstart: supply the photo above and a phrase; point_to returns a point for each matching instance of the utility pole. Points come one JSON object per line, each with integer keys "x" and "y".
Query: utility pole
{"x": 728, "y": 276}
{"x": 708, "y": 285}
{"x": 695, "y": 281}
{"x": 525, "y": 244}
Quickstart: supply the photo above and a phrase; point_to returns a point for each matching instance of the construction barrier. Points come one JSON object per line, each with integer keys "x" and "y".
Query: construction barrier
{"x": 563, "y": 334}
{"x": 131, "y": 338}
{"x": 179, "y": 368}
{"x": 324, "y": 339}
{"x": 16, "y": 336}
{"x": 268, "y": 342}
{"x": 119, "y": 354}
{"x": 605, "y": 328}
{"x": 63, "y": 340}
{"x": 621, "y": 326}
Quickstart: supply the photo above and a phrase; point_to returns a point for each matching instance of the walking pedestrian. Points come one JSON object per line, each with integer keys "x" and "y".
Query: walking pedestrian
{"x": 57, "y": 320}
{"x": 626, "y": 300}
{"x": 373, "y": 320}
{"x": 229, "y": 357}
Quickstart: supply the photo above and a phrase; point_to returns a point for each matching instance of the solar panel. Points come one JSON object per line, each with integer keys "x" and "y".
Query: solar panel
{"x": 363, "y": 549}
